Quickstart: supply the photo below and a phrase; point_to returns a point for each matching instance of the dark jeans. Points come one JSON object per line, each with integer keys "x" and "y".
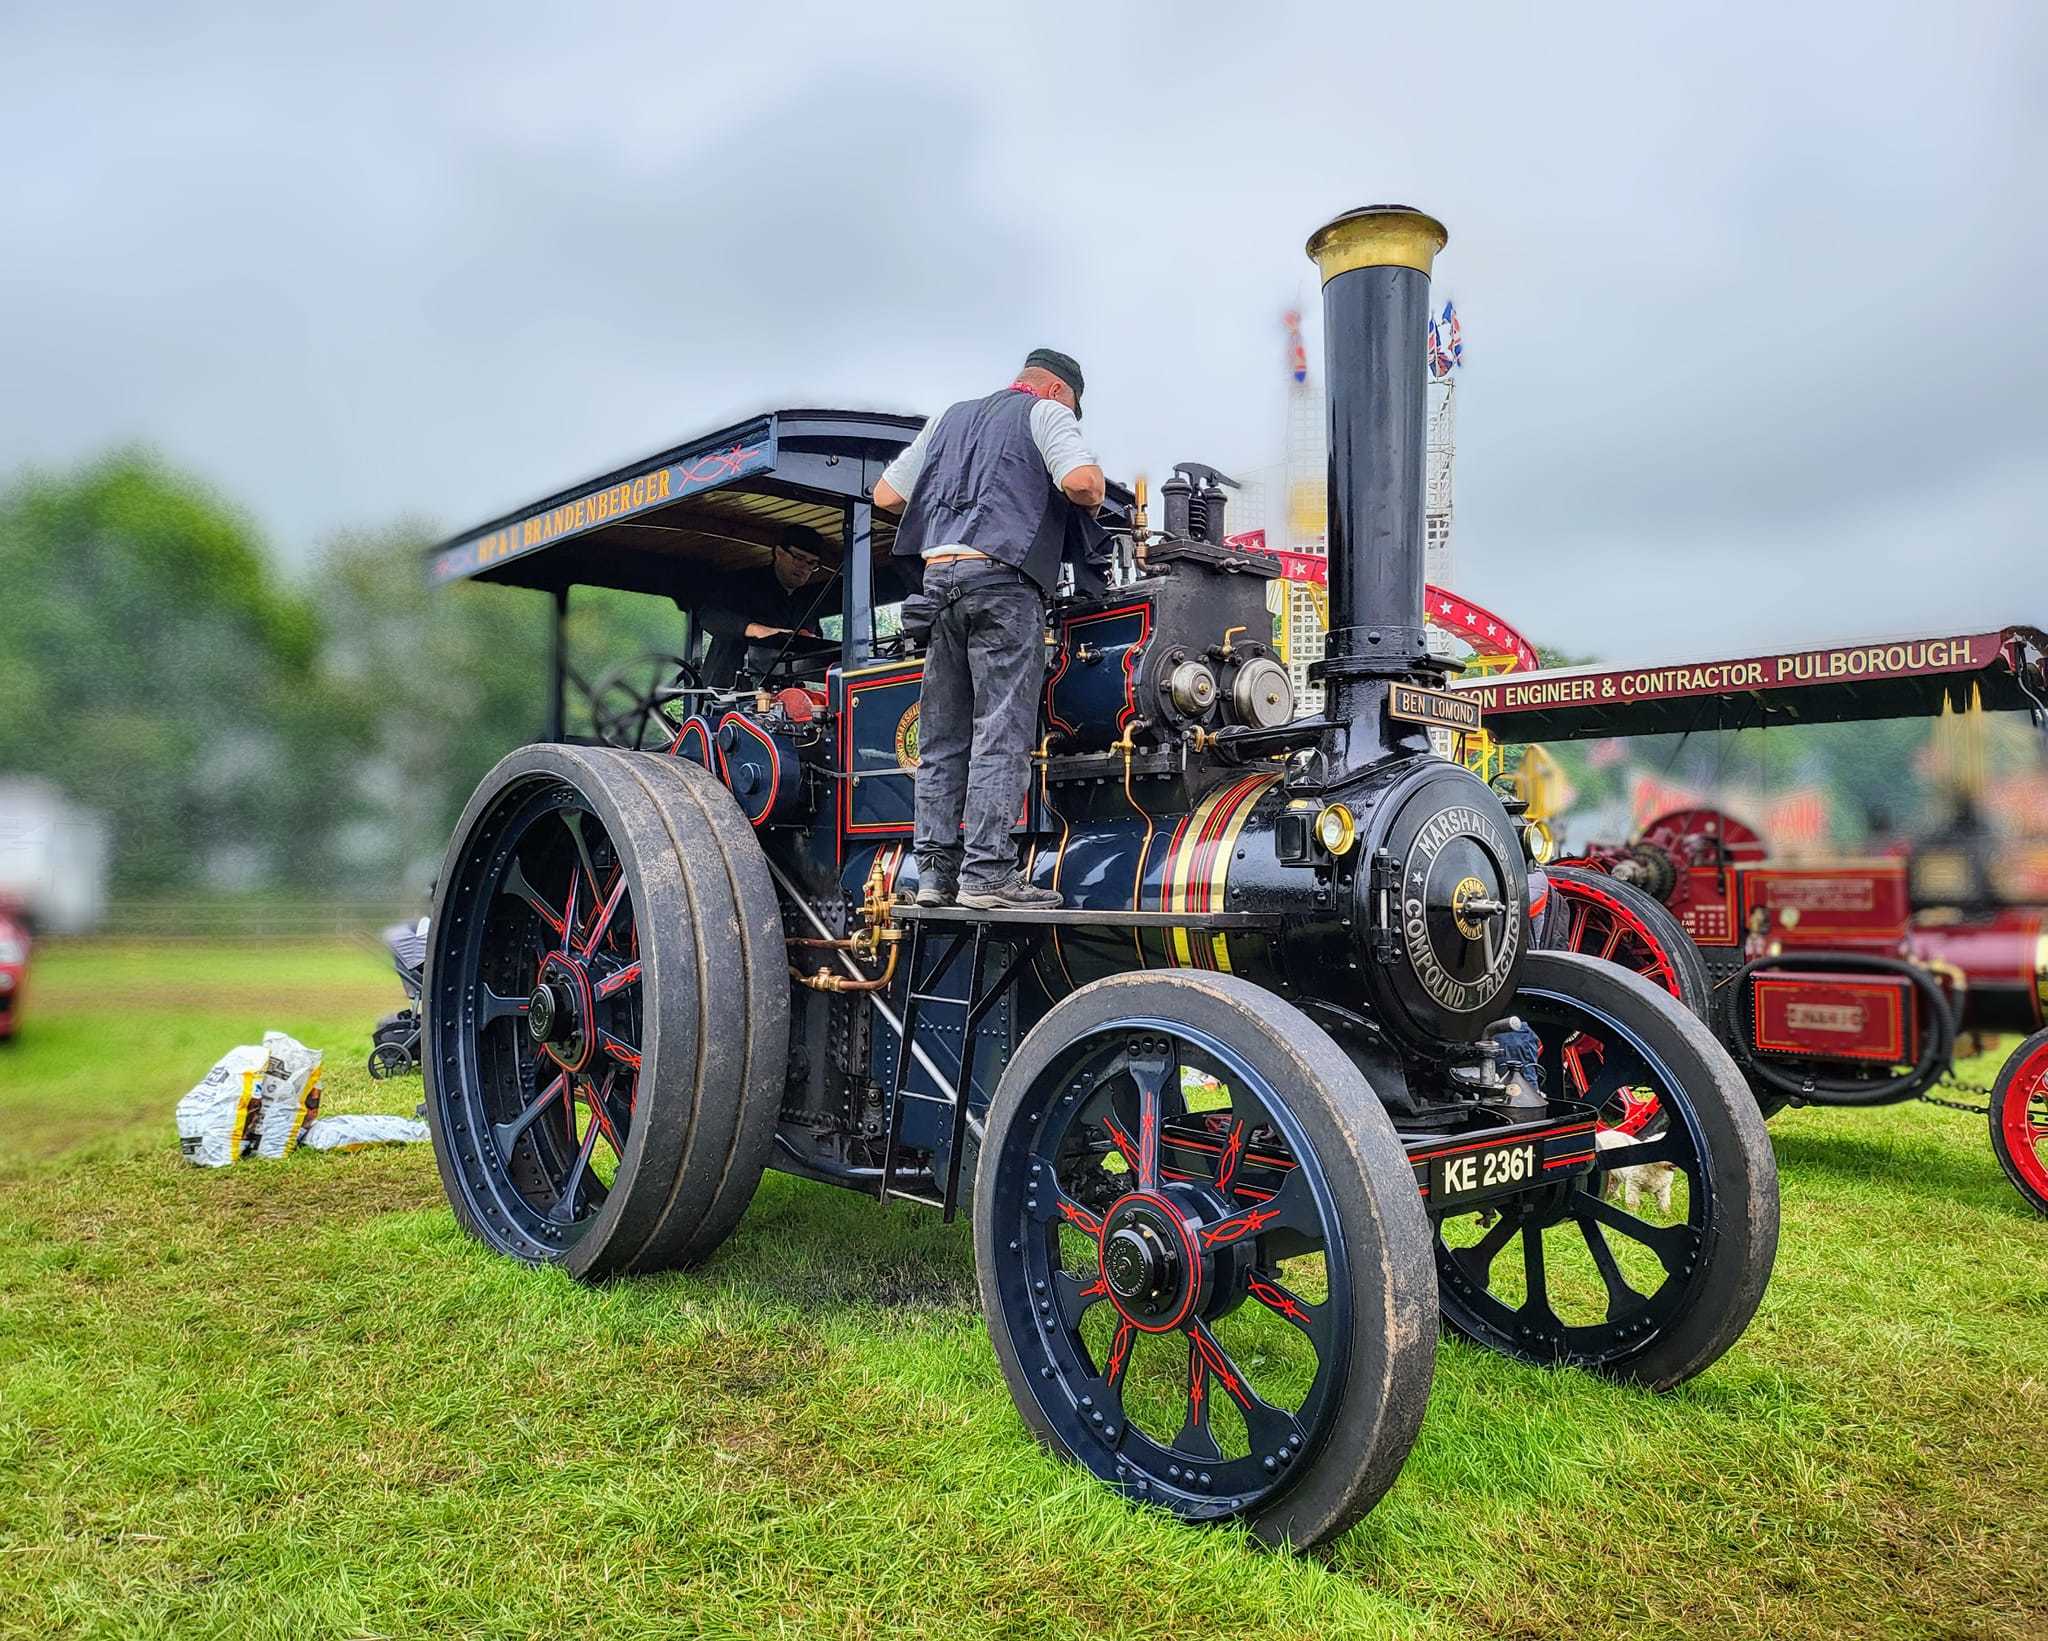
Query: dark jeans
{"x": 983, "y": 667}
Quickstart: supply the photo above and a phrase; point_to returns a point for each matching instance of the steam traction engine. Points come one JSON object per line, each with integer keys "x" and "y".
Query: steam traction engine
{"x": 1279, "y": 1085}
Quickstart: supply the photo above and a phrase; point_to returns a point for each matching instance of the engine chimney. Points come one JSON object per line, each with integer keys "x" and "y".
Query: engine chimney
{"x": 1375, "y": 264}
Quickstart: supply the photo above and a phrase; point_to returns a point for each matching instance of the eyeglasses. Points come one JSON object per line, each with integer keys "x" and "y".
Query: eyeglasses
{"x": 809, "y": 561}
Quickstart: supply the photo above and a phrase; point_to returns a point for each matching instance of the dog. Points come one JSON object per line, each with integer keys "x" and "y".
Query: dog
{"x": 1632, "y": 1184}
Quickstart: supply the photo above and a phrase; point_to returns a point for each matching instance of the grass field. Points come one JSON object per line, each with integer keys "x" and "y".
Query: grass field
{"x": 291, "y": 1399}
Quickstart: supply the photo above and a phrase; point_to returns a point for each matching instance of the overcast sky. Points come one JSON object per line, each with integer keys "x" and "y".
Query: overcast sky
{"x": 1752, "y": 294}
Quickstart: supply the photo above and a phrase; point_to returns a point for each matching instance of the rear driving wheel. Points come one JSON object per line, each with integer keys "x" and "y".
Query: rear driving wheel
{"x": 607, "y": 1011}
{"x": 1203, "y": 1261}
{"x": 1649, "y": 1268}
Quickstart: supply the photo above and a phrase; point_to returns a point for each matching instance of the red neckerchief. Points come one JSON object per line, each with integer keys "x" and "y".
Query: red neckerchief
{"x": 1035, "y": 392}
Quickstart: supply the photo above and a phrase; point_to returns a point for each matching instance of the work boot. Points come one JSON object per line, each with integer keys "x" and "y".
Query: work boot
{"x": 1010, "y": 894}
{"x": 938, "y": 881}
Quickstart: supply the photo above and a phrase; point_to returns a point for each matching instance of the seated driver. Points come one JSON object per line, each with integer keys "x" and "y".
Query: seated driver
{"x": 766, "y": 604}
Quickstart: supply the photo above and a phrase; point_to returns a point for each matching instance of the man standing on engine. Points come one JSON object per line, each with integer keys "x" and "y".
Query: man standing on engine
{"x": 988, "y": 491}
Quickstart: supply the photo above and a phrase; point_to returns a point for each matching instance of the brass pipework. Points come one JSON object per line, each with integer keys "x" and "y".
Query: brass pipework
{"x": 826, "y": 980}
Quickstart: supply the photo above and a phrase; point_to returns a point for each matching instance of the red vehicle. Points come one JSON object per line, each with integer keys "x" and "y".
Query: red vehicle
{"x": 14, "y": 949}
{"x": 1845, "y": 983}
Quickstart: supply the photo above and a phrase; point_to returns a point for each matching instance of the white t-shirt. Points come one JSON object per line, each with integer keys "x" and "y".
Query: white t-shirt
{"x": 1055, "y": 429}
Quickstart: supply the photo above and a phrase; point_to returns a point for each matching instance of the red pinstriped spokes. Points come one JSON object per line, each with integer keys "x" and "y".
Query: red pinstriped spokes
{"x": 602, "y": 918}
{"x": 1212, "y": 1368}
{"x": 563, "y": 917}
{"x": 1233, "y": 1154}
{"x": 618, "y": 980}
{"x": 1120, "y": 1353}
{"x": 1080, "y": 1218}
{"x": 1126, "y": 1147}
{"x": 1151, "y": 1072}
{"x": 1190, "y": 1300}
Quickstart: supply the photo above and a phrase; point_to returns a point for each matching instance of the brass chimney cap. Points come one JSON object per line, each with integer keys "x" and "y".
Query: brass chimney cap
{"x": 1377, "y": 236}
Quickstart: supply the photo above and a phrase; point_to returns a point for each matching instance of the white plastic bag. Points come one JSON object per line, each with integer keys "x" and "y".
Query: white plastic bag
{"x": 291, "y": 1093}
{"x": 217, "y": 1120}
{"x": 355, "y": 1133}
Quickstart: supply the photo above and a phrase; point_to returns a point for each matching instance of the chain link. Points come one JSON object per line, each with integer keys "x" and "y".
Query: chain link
{"x": 1962, "y": 1085}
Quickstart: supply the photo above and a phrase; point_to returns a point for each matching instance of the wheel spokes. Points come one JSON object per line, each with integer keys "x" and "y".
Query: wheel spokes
{"x": 1620, "y": 1296}
{"x": 1119, "y": 1355}
{"x": 1665, "y": 1148}
{"x": 617, "y": 981}
{"x": 1667, "y": 1242}
{"x": 569, "y": 913}
{"x": 1195, "y": 1435}
{"x": 1233, "y": 1154}
{"x": 602, "y": 1117}
{"x": 507, "y": 1133}
{"x": 1084, "y": 1220}
{"x": 564, "y": 1210}
{"x": 1291, "y": 1208}
{"x": 1478, "y": 1259}
{"x": 1288, "y": 1305}
{"x": 1265, "y": 1424}
{"x": 1075, "y": 1296}
{"x": 1535, "y": 1279}
{"x": 1150, "y": 1073}
{"x": 1127, "y": 1146}
{"x": 516, "y": 884}
{"x": 572, "y": 819}
{"x": 603, "y": 917}
{"x": 497, "y": 1007}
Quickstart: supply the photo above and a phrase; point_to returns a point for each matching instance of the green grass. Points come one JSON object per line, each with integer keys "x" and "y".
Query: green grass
{"x": 291, "y": 1399}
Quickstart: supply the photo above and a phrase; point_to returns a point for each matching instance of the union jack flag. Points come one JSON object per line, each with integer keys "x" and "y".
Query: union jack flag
{"x": 1456, "y": 334}
{"x": 1440, "y": 362}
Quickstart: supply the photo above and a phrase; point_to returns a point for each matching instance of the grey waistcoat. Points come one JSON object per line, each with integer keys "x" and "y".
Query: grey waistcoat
{"x": 985, "y": 486}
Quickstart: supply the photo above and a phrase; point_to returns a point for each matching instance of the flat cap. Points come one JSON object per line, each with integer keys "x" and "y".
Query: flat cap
{"x": 1061, "y": 365}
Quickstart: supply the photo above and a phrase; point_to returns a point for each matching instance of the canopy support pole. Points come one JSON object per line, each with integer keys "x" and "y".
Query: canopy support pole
{"x": 857, "y": 565}
{"x": 558, "y": 666}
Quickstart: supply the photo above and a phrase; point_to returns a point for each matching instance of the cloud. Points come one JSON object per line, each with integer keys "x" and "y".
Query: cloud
{"x": 1749, "y": 298}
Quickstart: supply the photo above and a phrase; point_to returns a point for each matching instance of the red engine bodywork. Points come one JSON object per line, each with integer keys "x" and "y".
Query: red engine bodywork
{"x": 14, "y": 954}
{"x": 1835, "y": 1015}
{"x": 1712, "y": 871}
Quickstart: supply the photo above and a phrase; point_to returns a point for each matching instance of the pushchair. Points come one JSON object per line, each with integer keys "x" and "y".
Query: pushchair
{"x": 395, "y": 1043}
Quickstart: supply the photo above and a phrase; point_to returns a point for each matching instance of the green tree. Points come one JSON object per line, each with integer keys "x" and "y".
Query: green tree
{"x": 441, "y": 682}
{"x": 153, "y": 666}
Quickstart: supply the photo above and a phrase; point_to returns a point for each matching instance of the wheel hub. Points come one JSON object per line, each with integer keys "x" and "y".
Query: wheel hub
{"x": 559, "y": 1014}
{"x": 1140, "y": 1266}
{"x": 548, "y": 1012}
{"x": 1149, "y": 1263}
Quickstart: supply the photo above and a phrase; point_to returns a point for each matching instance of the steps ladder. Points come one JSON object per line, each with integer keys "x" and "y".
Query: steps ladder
{"x": 976, "y": 936}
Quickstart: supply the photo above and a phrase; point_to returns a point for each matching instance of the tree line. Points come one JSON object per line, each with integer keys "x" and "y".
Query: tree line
{"x": 243, "y": 728}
